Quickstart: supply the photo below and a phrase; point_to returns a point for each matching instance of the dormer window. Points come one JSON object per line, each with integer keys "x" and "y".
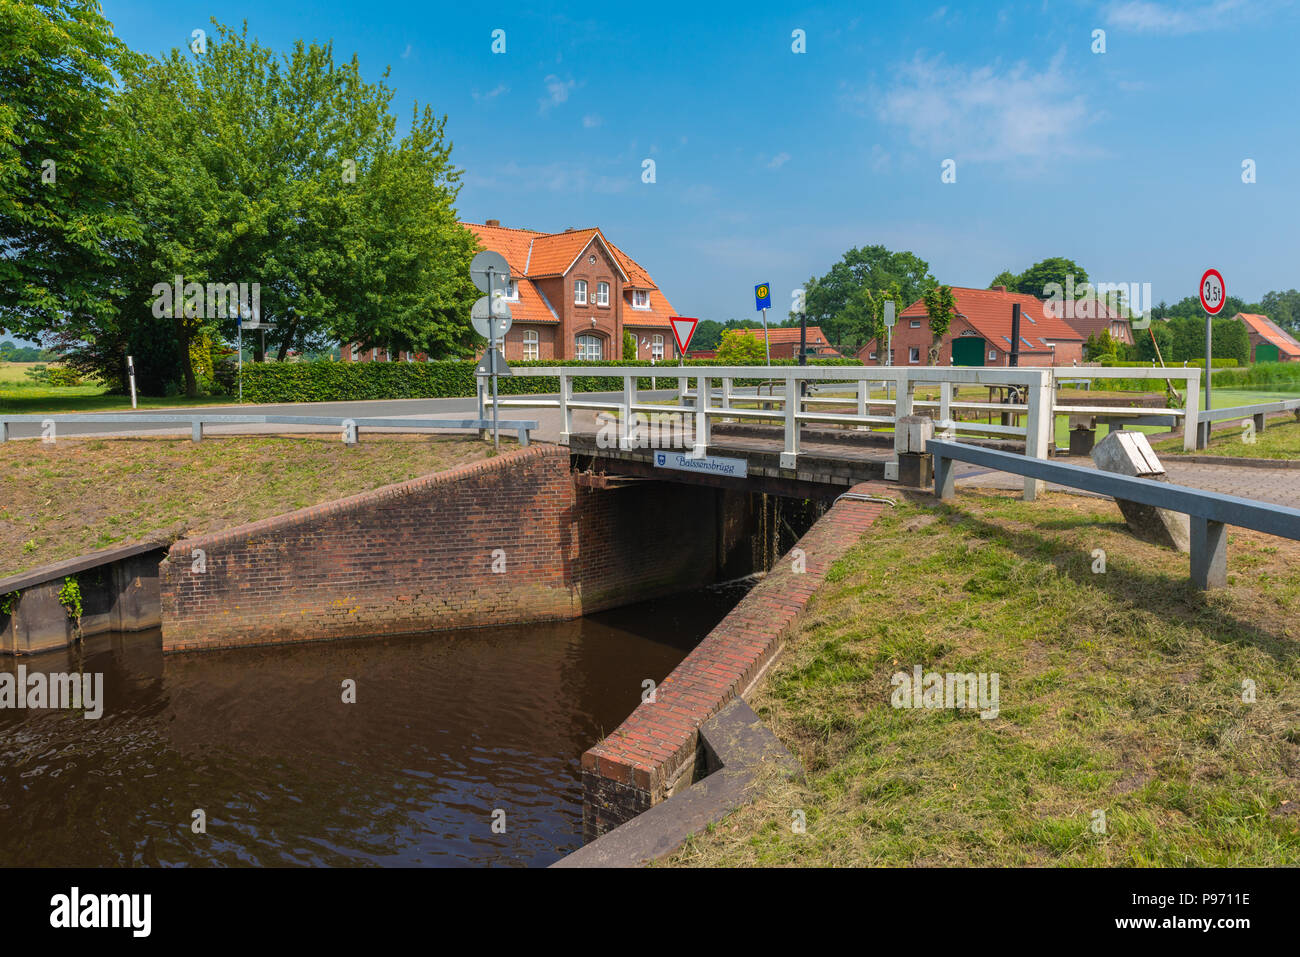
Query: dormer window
{"x": 512, "y": 291}
{"x": 640, "y": 299}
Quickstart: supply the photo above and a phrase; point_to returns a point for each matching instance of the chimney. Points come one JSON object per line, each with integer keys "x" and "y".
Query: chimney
{"x": 996, "y": 288}
{"x": 493, "y": 222}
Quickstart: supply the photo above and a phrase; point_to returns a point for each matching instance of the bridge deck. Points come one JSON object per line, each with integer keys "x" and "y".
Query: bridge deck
{"x": 823, "y": 469}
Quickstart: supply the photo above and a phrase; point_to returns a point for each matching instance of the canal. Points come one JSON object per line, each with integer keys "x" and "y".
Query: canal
{"x": 450, "y": 733}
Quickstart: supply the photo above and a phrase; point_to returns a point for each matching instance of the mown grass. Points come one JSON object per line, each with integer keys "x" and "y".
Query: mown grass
{"x": 1281, "y": 440}
{"x": 74, "y": 496}
{"x": 1120, "y": 692}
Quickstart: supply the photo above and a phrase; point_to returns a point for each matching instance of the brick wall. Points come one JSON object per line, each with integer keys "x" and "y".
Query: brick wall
{"x": 655, "y": 752}
{"x": 418, "y": 556}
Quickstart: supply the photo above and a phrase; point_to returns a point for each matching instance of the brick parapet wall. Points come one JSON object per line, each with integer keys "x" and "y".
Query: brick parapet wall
{"x": 654, "y": 752}
{"x": 418, "y": 556}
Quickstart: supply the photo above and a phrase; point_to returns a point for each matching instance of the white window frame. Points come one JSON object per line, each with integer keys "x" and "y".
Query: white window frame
{"x": 512, "y": 291}
{"x": 532, "y": 344}
{"x": 914, "y": 351}
{"x": 579, "y": 292}
{"x": 636, "y": 294}
{"x": 587, "y": 342}
{"x": 993, "y": 355}
{"x": 914, "y": 323}
{"x": 602, "y": 294}
{"x": 656, "y": 347}
{"x": 871, "y": 356}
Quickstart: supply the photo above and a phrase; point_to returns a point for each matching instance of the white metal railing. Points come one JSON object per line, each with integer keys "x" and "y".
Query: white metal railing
{"x": 1187, "y": 414}
{"x": 797, "y": 410}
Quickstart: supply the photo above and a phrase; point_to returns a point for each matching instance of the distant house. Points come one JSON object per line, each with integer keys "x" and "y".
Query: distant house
{"x": 572, "y": 296}
{"x": 980, "y": 333}
{"x": 1269, "y": 342}
{"x": 784, "y": 342}
{"x": 1092, "y": 317}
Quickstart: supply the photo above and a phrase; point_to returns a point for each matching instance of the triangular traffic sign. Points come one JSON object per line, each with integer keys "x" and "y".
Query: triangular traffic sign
{"x": 683, "y": 329}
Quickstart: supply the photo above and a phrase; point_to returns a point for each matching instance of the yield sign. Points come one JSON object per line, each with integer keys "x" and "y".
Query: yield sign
{"x": 683, "y": 329}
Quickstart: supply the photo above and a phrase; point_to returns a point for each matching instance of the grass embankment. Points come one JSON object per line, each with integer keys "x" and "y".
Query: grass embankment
{"x": 1120, "y": 692}
{"x": 78, "y": 495}
{"x": 1281, "y": 440}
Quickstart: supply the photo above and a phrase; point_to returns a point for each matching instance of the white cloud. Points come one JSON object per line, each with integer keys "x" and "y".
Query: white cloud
{"x": 407, "y": 52}
{"x": 1143, "y": 16}
{"x": 779, "y": 160}
{"x": 988, "y": 113}
{"x": 557, "y": 92}
{"x": 491, "y": 94}
{"x": 591, "y": 121}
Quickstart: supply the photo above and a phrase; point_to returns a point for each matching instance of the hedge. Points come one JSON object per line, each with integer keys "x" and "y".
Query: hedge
{"x": 327, "y": 381}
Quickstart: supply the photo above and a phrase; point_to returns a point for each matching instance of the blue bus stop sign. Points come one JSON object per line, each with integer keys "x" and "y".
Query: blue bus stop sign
{"x": 762, "y": 296}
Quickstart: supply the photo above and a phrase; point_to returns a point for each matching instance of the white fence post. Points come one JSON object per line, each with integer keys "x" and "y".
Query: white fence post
{"x": 701, "y": 415}
{"x": 944, "y": 426}
{"x": 1191, "y": 405}
{"x": 862, "y": 403}
{"x": 726, "y": 395}
{"x": 791, "y": 454}
{"x": 566, "y": 411}
{"x": 626, "y": 430}
{"x": 1039, "y": 424}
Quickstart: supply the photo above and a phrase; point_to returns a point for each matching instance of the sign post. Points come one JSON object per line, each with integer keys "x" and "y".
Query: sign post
{"x": 130, "y": 374}
{"x": 1213, "y": 295}
{"x": 491, "y": 318}
{"x": 763, "y": 302}
{"x": 889, "y": 332}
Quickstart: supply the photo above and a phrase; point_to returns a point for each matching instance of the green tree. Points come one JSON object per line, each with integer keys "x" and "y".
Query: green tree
{"x": 707, "y": 334}
{"x": 1006, "y": 278}
{"x": 1283, "y": 308}
{"x": 939, "y": 306}
{"x": 739, "y": 348}
{"x": 827, "y": 298}
{"x": 1035, "y": 280}
{"x": 64, "y": 218}
{"x": 629, "y": 345}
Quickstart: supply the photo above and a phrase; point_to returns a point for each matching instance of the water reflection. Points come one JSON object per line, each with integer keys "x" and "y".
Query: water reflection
{"x": 446, "y": 728}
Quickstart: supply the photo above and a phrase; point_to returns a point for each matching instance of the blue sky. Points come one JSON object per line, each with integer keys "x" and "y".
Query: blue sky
{"x": 769, "y": 164}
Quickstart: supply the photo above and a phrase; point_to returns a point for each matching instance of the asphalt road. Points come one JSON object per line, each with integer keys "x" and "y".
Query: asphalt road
{"x": 548, "y": 419}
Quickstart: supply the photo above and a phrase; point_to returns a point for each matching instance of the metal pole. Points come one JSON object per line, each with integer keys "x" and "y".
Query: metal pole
{"x": 766, "y": 343}
{"x": 1209, "y": 334}
{"x": 492, "y": 360}
{"x": 239, "y": 346}
{"x": 130, "y": 373}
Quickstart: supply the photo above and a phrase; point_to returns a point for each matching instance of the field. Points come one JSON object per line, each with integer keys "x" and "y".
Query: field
{"x": 1139, "y": 722}
{"x": 64, "y": 499}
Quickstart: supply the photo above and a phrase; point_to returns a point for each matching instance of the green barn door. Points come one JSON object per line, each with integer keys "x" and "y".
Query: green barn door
{"x": 968, "y": 351}
{"x": 1266, "y": 352}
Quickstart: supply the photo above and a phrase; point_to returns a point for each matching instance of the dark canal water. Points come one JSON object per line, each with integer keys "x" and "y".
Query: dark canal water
{"x": 446, "y": 729}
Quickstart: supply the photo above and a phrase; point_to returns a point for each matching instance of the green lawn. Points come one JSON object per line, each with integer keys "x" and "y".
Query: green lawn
{"x": 1121, "y": 692}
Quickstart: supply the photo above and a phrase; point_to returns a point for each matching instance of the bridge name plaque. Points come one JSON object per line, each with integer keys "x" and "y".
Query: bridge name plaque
{"x": 710, "y": 464}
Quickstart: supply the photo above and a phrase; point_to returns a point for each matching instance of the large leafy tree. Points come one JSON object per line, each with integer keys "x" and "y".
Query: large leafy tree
{"x": 1283, "y": 308}
{"x": 65, "y": 218}
{"x": 835, "y": 302}
{"x": 285, "y": 171}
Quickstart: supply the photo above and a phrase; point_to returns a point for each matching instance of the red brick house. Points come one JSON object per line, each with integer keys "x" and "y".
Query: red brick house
{"x": 1092, "y": 317}
{"x": 784, "y": 342}
{"x": 1269, "y": 342}
{"x": 980, "y": 333}
{"x": 572, "y": 296}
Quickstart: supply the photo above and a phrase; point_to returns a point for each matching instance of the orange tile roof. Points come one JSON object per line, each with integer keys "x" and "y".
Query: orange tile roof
{"x": 989, "y": 312}
{"x": 786, "y": 335}
{"x": 1270, "y": 331}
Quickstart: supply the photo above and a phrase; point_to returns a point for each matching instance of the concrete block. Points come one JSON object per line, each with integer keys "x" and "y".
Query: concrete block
{"x": 916, "y": 470}
{"x": 911, "y": 432}
{"x": 1129, "y": 453}
{"x": 1082, "y": 440}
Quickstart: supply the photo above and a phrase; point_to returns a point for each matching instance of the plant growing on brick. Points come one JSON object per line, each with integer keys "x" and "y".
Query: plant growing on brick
{"x": 70, "y": 599}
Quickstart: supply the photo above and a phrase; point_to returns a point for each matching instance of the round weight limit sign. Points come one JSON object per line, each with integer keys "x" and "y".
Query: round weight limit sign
{"x": 1213, "y": 293}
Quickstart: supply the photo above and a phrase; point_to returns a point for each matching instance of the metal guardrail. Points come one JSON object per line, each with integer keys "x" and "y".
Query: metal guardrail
{"x": 795, "y": 408}
{"x": 1209, "y": 511}
{"x": 1257, "y": 411}
{"x": 349, "y": 426}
